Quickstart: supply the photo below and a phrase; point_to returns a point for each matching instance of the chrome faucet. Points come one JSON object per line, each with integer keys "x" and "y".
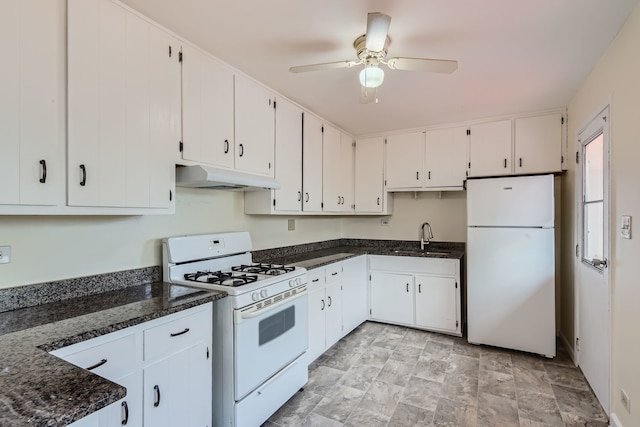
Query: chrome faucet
{"x": 423, "y": 243}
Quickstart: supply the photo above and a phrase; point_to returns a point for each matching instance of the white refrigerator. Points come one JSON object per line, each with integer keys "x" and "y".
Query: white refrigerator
{"x": 511, "y": 263}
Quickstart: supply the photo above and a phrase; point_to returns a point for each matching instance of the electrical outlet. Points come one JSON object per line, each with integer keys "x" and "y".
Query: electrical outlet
{"x": 5, "y": 254}
{"x": 291, "y": 225}
{"x": 626, "y": 402}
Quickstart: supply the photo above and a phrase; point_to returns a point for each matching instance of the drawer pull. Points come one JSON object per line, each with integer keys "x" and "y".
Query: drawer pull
{"x": 322, "y": 307}
{"x": 125, "y": 408}
{"x": 315, "y": 280}
{"x": 44, "y": 170}
{"x": 156, "y": 400}
{"x": 175, "y": 334}
{"x": 329, "y": 298}
{"x": 335, "y": 273}
{"x": 97, "y": 365}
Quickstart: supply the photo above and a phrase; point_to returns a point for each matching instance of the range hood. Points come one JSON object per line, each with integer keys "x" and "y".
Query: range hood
{"x": 203, "y": 176}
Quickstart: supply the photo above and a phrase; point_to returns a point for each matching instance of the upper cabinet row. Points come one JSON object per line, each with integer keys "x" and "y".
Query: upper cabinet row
{"x": 443, "y": 159}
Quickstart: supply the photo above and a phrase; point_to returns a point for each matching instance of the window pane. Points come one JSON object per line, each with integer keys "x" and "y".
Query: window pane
{"x": 593, "y": 231}
{"x": 593, "y": 170}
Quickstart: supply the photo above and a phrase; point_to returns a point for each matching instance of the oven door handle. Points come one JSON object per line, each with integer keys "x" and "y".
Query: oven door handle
{"x": 241, "y": 316}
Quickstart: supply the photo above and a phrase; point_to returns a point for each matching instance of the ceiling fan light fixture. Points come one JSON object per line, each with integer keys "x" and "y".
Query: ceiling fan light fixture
{"x": 371, "y": 76}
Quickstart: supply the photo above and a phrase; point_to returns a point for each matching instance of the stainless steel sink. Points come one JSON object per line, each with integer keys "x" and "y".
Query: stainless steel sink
{"x": 419, "y": 253}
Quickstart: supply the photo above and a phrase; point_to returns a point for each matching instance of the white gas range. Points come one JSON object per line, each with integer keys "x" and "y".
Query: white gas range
{"x": 260, "y": 329}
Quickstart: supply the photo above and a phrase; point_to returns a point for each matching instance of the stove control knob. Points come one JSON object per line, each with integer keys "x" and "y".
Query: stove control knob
{"x": 263, "y": 293}
{"x": 292, "y": 283}
{"x": 298, "y": 281}
{"x": 255, "y": 296}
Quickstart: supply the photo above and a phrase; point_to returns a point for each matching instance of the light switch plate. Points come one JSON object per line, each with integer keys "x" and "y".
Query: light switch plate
{"x": 291, "y": 224}
{"x": 625, "y": 228}
{"x": 5, "y": 254}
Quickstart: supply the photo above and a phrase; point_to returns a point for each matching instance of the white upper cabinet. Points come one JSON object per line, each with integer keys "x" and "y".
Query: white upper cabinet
{"x": 254, "y": 127}
{"x": 123, "y": 108}
{"x": 288, "y": 156}
{"x": 369, "y": 175}
{"x": 337, "y": 171}
{"x": 445, "y": 158}
{"x": 207, "y": 109}
{"x": 538, "y": 144}
{"x": 490, "y": 149}
{"x": 32, "y": 167}
{"x": 405, "y": 156}
{"x": 312, "y": 164}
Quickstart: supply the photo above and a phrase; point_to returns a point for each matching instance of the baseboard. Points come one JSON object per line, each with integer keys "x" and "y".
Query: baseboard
{"x": 569, "y": 347}
{"x": 615, "y": 422}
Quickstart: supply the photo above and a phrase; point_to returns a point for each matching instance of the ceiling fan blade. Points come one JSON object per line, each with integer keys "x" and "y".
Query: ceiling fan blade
{"x": 368, "y": 95}
{"x": 377, "y": 30}
{"x": 323, "y": 66}
{"x": 423, "y": 64}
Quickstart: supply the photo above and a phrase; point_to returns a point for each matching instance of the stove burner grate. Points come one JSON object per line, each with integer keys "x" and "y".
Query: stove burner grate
{"x": 264, "y": 268}
{"x": 221, "y": 278}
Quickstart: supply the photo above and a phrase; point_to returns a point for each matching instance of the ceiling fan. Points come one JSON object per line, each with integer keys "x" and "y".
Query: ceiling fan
{"x": 371, "y": 50}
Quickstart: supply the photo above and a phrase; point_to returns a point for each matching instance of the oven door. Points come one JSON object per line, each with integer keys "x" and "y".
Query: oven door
{"x": 267, "y": 339}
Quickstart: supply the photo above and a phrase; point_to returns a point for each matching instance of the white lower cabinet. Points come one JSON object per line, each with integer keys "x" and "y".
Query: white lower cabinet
{"x": 418, "y": 292}
{"x": 337, "y": 303}
{"x": 165, "y": 365}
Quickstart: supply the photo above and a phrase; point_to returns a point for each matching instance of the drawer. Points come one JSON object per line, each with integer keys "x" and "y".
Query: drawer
{"x": 111, "y": 360}
{"x": 333, "y": 272}
{"x": 315, "y": 279}
{"x": 437, "y": 266}
{"x": 177, "y": 334}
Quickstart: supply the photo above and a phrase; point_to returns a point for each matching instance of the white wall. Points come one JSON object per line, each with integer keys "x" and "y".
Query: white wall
{"x": 617, "y": 75}
{"x": 446, "y": 212}
{"x": 47, "y": 248}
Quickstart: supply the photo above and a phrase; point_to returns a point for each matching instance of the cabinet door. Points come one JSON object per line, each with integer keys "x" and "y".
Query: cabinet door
{"x": 445, "y": 158}
{"x": 405, "y": 154}
{"x": 254, "y": 127}
{"x": 392, "y": 297}
{"x": 490, "y": 149}
{"x": 369, "y": 175}
{"x": 354, "y": 293}
{"x": 207, "y": 109}
{"x": 177, "y": 390}
{"x": 317, "y": 325}
{"x": 436, "y": 303}
{"x": 288, "y": 157}
{"x": 331, "y": 173}
{"x": 31, "y": 147}
{"x": 333, "y": 298}
{"x": 312, "y": 164}
{"x": 347, "y": 153}
{"x": 538, "y": 144}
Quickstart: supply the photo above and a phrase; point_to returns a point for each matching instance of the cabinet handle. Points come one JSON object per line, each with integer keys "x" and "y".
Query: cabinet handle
{"x": 44, "y": 171}
{"x": 97, "y": 365}
{"x": 83, "y": 181}
{"x": 429, "y": 174}
{"x": 241, "y": 150}
{"x": 307, "y": 200}
{"x": 156, "y": 400}
{"x": 335, "y": 273}
{"x": 407, "y": 287}
{"x": 175, "y": 334}
{"x": 417, "y": 176}
{"x": 419, "y": 288}
{"x": 322, "y": 307}
{"x": 299, "y": 196}
{"x": 329, "y": 298}
{"x": 226, "y": 146}
{"x": 315, "y": 280}
{"x": 505, "y": 163}
{"x": 520, "y": 161}
{"x": 338, "y": 199}
{"x": 125, "y": 408}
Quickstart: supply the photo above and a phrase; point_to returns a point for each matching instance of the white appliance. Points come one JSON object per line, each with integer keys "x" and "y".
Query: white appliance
{"x": 260, "y": 329}
{"x": 511, "y": 263}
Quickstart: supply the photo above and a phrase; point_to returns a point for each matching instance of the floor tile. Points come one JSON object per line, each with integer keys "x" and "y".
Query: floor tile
{"x": 461, "y": 388}
{"x": 361, "y": 417}
{"x": 466, "y": 349}
{"x": 496, "y": 361}
{"x": 463, "y": 365}
{"x": 406, "y": 353}
{"x": 342, "y": 359}
{"x": 323, "y": 379}
{"x": 572, "y": 420}
{"x": 532, "y": 380}
{"x": 395, "y": 372}
{"x": 497, "y": 384}
{"x": 579, "y": 402}
{"x": 429, "y": 369}
{"x": 339, "y": 405}
{"x": 422, "y": 393}
{"x": 496, "y": 411}
{"x": 416, "y": 338}
{"x": 388, "y": 340}
{"x": 381, "y": 398}
{"x": 529, "y": 361}
{"x": 315, "y": 420}
{"x": 359, "y": 377}
{"x": 296, "y": 409}
{"x": 566, "y": 376}
{"x": 539, "y": 407}
{"x": 437, "y": 350}
{"x": 410, "y": 416}
{"x": 454, "y": 414}
{"x": 376, "y": 356}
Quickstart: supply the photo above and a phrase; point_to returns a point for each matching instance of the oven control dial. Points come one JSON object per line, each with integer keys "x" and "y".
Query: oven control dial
{"x": 292, "y": 283}
{"x": 263, "y": 293}
{"x": 255, "y": 296}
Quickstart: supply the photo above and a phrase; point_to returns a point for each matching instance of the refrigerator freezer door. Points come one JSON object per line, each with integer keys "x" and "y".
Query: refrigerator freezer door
{"x": 511, "y": 288}
{"x": 525, "y": 201}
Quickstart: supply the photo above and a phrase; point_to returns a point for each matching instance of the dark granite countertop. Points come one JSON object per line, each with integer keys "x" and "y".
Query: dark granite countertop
{"x": 38, "y": 389}
{"x": 314, "y": 255}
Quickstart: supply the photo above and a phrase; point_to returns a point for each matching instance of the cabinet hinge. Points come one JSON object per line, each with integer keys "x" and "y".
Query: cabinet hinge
{"x": 370, "y": 312}
{"x": 466, "y": 173}
{"x": 322, "y": 129}
{"x": 170, "y": 195}
{"x": 577, "y": 157}
{"x": 385, "y": 182}
{"x": 562, "y": 120}
{"x": 468, "y": 131}
{"x": 180, "y": 57}
{"x": 578, "y": 345}
{"x": 269, "y": 165}
{"x": 469, "y": 165}
{"x": 322, "y": 205}
{"x": 561, "y": 159}
{"x": 181, "y": 147}
{"x": 207, "y": 353}
{"x": 353, "y": 144}
{"x": 274, "y": 203}
{"x": 577, "y": 251}
{"x": 169, "y": 51}
{"x": 369, "y": 277}
{"x": 456, "y": 285}
{"x": 385, "y": 140}
{"x": 456, "y": 323}
{"x": 274, "y": 104}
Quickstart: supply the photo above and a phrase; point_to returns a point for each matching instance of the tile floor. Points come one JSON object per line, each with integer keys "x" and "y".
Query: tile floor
{"x": 385, "y": 375}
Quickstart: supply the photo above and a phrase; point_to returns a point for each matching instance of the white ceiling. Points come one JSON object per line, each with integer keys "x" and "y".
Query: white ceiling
{"x": 514, "y": 56}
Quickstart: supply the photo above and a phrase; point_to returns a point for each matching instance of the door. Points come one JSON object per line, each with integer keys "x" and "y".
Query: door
{"x": 354, "y": 293}
{"x": 405, "y": 154}
{"x": 312, "y": 164}
{"x": 593, "y": 340}
{"x": 369, "y": 176}
{"x": 333, "y": 313}
{"x": 392, "y": 297}
{"x": 490, "y": 149}
{"x": 288, "y": 157}
{"x": 317, "y": 324}
{"x": 331, "y": 173}
{"x": 445, "y": 157}
{"x": 437, "y": 302}
{"x": 538, "y": 144}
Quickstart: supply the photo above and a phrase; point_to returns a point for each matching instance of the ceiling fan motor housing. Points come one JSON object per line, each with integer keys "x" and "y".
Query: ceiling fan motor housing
{"x": 368, "y": 56}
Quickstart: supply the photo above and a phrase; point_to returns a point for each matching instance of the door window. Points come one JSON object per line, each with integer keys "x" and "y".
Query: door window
{"x": 593, "y": 200}
{"x": 274, "y": 326}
